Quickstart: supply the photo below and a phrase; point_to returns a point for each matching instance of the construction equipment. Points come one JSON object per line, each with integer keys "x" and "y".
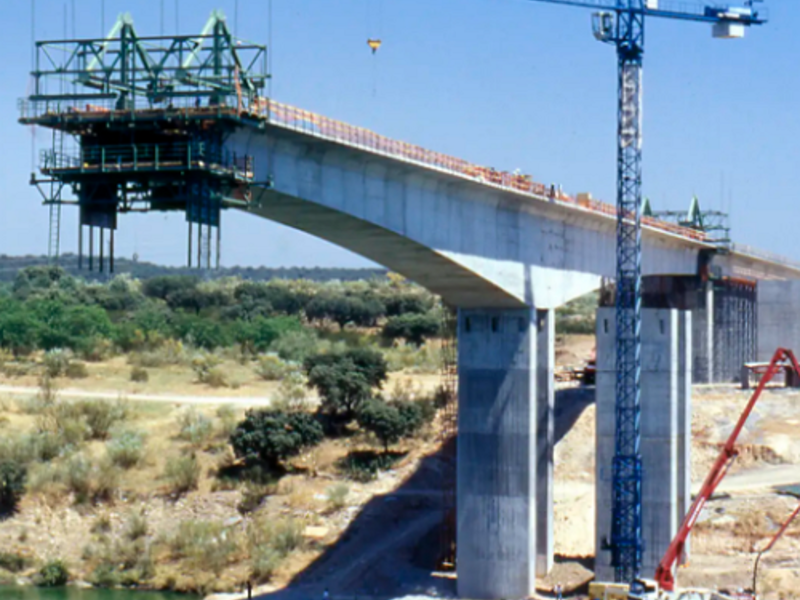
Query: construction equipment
{"x": 771, "y": 543}
{"x": 144, "y": 125}
{"x": 663, "y": 586}
{"x": 621, "y": 22}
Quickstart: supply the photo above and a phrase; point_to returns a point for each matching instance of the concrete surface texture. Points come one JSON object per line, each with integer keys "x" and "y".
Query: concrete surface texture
{"x": 473, "y": 244}
{"x": 778, "y": 308}
{"x": 497, "y": 484}
{"x": 666, "y": 430}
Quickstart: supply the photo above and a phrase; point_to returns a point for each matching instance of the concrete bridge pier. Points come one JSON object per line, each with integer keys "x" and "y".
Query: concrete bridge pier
{"x": 505, "y": 451}
{"x": 666, "y": 431}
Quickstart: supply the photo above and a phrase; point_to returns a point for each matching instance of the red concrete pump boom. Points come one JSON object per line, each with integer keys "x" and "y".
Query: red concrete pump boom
{"x": 666, "y": 581}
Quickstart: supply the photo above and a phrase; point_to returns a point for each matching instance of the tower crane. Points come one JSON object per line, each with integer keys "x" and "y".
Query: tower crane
{"x": 621, "y": 22}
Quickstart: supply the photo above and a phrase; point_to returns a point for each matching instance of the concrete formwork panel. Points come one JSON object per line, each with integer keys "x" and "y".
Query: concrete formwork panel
{"x": 498, "y": 422}
{"x": 665, "y": 430}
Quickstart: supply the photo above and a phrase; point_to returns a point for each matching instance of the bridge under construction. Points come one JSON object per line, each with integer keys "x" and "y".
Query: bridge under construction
{"x": 183, "y": 123}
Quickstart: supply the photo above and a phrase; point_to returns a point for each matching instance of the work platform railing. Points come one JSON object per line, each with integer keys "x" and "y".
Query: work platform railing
{"x": 126, "y": 158}
{"x": 103, "y": 107}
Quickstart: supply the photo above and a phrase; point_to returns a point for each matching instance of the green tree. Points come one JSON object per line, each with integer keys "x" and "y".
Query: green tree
{"x": 77, "y": 327}
{"x": 267, "y": 437}
{"x": 415, "y": 328}
{"x": 344, "y": 309}
{"x": 260, "y": 333}
{"x": 36, "y": 279}
{"x": 203, "y": 333}
{"x": 346, "y": 380}
{"x": 12, "y": 485}
{"x": 389, "y": 422}
{"x": 404, "y": 303}
{"x": 18, "y": 331}
{"x": 164, "y": 285}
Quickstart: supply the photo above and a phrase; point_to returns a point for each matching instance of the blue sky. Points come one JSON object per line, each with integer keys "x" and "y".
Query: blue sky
{"x": 504, "y": 83}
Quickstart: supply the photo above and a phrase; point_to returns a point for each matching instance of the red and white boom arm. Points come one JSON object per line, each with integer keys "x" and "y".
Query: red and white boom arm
{"x": 664, "y": 576}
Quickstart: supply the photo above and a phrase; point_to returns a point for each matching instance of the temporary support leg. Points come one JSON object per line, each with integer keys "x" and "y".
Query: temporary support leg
{"x": 189, "y": 258}
{"x": 666, "y": 430}
{"x": 80, "y": 244}
{"x": 91, "y": 247}
{"x": 498, "y": 419}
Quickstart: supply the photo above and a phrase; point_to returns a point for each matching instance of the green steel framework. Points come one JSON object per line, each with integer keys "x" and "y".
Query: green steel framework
{"x": 140, "y": 123}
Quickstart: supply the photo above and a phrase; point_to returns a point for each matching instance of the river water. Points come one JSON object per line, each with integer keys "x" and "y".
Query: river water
{"x": 69, "y": 593}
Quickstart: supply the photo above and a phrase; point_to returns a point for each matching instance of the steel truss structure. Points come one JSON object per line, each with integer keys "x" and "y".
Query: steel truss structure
{"x": 140, "y": 124}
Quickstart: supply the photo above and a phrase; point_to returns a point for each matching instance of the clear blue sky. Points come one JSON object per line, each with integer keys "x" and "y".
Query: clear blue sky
{"x": 504, "y": 83}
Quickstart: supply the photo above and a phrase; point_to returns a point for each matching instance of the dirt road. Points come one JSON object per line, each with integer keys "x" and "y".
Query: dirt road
{"x": 11, "y": 390}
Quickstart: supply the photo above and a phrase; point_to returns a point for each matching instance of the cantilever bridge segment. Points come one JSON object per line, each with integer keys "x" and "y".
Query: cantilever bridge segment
{"x": 181, "y": 123}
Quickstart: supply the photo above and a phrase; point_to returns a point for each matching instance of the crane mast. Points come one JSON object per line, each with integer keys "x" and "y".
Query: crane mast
{"x": 626, "y": 534}
{"x": 621, "y": 22}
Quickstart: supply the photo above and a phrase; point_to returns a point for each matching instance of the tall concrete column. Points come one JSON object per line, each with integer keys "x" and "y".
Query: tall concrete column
{"x": 666, "y": 431}
{"x": 498, "y": 420}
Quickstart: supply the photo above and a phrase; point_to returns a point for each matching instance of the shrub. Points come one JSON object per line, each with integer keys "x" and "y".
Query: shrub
{"x": 337, "y": 496}
{"x": 12, "y": 485}
{"x": 252, "y": 496}
{"x": 264, "y": 561}
{"x": 137, "y": 526}
{"x": 287, "y": 536}
{"x": 217, "y": 378}
{"x": 363, "y": 466}
{"x": 78, "y": 477}
{"x": 270, "y": 367}
{"x": 207, "y": 545}
{"x": 207, "y": 369}
{"x": 296, "y": 346}
{"x": 268, "y": 436}
{"x": 102, "y": 524}
{"x": 105, "y": 575}
{"x": 346, "y": 380}
{"x": 126, "y": 448}
{"x": 53, "y": 574}
{"x": 101, "y": 415}
{"x": 282, "y": 535}
{"x": 292, "y": 394}
{"x": 167, "y": 352}
{"x": 14, "y": 563}
{"x": 227, "y": 420}
{"x": 76, "y": 370}
{"x": 425, "y": 359}
{"x": 140, "y": 375}
{"x": 105, "y": 480}
{"x": 182, "y": 473}
{"x": 56, "y": 361}
{"x": 195, "y": 427}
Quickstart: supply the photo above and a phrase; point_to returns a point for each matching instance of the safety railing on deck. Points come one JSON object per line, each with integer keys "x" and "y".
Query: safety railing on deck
{"x": 764, "y": 255}
{"x": 311, "y": 123}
